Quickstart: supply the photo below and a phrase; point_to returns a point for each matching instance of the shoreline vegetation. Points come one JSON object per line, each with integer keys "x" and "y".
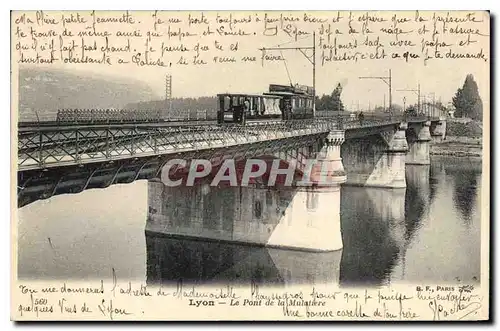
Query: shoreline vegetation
{"x": 463, "y": 139}
{"x": 457, "y": 146}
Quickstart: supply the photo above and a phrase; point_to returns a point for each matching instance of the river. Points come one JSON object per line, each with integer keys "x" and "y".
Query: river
{"x": 426, "y": 233}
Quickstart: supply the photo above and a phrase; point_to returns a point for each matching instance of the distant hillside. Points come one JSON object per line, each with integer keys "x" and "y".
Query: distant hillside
{"x": 46, "y": 91}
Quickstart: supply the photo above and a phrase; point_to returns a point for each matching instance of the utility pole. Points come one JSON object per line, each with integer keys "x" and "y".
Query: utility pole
{"x": 433, "y": 103}
{"x": 314, "y": 73}
{"x": 388, "y": 81}
{"x": 390, "y": 92}
{"x": 168, "y": 92}
{"x": 417, "y": 92}
{"x": 311, "y": 59}
{"x": 418, "y": 97}
{"x": 424, "y": 106}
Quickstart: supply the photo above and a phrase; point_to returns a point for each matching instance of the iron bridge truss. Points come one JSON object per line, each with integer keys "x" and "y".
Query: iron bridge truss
{"x": 70, "y": 159}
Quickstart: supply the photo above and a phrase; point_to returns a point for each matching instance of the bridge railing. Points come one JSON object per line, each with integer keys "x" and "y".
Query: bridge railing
{"x": 31, "y": 115}
{"x": 369, "y": 115}
{"x": 40, "y": 147}
{"x": 78, "y": 116}
{"x": 112, "y": 115}
{"x": 99, "y": 115}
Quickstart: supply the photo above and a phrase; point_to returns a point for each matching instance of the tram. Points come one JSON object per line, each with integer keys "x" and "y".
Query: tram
{"x": 281, "y": 102}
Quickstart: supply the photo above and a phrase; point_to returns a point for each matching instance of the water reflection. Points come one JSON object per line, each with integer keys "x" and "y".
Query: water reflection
{"x": 444, "y": 245}
{"x": 400, "y": 241}
{"x": 373, "y": 232}
{"x": 428, "y": 233}
{"x": 420, "y": 193}
{"x": 205, "y": 233}
{"x": 195, "y": 261}
{"x": 464, "y": 193}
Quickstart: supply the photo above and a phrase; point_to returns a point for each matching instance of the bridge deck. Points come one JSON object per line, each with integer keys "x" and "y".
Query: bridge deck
{"x": 50, "y": 146}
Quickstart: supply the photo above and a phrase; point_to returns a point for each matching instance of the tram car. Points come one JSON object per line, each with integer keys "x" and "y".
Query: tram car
{"x": 281, "y": 102}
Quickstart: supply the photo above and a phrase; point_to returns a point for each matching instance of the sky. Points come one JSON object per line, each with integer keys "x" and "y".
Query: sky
{"x": 441, "y": 77}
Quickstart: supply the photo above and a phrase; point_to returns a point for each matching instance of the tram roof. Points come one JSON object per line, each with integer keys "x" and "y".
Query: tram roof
{"x": 288, "y": 94}
{"x": 249, "y": 95}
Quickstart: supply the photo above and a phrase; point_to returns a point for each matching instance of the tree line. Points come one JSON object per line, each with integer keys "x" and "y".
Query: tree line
{"x": 466, "y": 102}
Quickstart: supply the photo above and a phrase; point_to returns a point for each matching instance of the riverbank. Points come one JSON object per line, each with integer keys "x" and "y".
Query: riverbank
{"x": 458, "y": 146}
{"x": 463, "y": 139}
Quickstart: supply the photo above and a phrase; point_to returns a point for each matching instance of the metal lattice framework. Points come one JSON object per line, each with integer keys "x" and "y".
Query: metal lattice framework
{"x": 35, "y": 184}
{"x": 47, "y": 147}
{"x": 44, "y": 148}
{"x": 67, "y": 159}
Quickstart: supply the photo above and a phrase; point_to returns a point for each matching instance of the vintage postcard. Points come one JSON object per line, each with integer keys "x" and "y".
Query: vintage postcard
{"x": 250, "y": 165}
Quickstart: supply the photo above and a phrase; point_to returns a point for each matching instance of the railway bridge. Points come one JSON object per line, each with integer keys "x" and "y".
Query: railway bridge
{"x": 55, "y": 158}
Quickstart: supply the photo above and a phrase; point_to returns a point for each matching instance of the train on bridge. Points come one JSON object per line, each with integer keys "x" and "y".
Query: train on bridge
{"x": 281, "y": 102}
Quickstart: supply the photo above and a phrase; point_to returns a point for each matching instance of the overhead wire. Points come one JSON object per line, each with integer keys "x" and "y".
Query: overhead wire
{"x": 286, "y": 67}
{"x": 284, "y": 60}
{"x": 292, "y": 41}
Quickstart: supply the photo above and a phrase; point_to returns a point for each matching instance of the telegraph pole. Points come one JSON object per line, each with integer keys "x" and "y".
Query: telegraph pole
{"x": 417, "y": 92}
{"x": 418, "y": 98}
{"x": 390, "y": 92}
{"x": 433, "y": 103}
{"x": 388, "y": 81}
{"x": 314, "y": 74}
{"x": 424, "y": 106}
{"x": 168, "y": 92}
{"x": 311, "y": 59}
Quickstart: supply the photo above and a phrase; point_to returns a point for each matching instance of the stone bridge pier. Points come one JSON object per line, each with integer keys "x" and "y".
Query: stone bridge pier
{"x": 378, "y": 159}
{"x": 419, "y": 137}
{"x": 315, "y": 203}
{"x": 438, "y": 130}
{"x": 307, "y": 215}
